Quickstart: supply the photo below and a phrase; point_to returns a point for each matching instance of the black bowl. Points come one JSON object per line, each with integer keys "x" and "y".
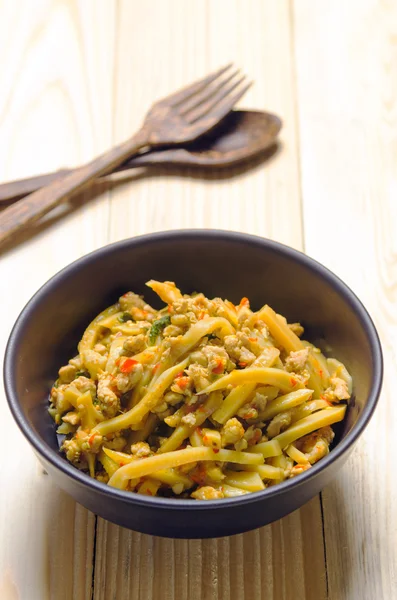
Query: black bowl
{"x": 218, "y": 263}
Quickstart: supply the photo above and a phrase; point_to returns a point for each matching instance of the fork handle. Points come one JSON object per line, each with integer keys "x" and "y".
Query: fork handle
{"x": 36, "y": 205}
{"x": 15, "y": 190}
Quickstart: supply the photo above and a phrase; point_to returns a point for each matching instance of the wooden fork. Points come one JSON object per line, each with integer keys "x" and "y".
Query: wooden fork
{"x": 181, "y": 117}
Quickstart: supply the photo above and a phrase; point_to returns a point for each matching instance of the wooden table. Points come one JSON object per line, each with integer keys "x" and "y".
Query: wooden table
{"x": 76, "y": 78}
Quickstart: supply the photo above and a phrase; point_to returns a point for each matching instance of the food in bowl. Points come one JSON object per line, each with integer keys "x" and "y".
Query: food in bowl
{"x": 220, "y": 263}
{"x": 201, "y": 399}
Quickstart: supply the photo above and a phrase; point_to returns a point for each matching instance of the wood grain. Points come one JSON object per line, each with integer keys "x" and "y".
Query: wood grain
{"x": 277, "y": 561}
{"x": 228, "y": 568}
{"x": 172, "y": 120}
{"x": 346, "y": 61}
{"x": 241, "y": 135}
{"x": 77, "y": 77}
{"x": 156, "y": 200}
{"x": 55, "y": 110}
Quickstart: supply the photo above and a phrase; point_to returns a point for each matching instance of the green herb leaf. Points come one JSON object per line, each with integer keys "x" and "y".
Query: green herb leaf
{"x": 126, "y": 316}
{"x": 157, "y": 328}
{"x": 83, "y": 374}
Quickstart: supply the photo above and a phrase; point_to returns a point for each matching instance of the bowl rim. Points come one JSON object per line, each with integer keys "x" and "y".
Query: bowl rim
{"x": 291, "y": 485}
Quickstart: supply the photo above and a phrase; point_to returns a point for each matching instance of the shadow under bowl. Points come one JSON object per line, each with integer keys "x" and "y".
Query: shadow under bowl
{"x": 218, "y": 263}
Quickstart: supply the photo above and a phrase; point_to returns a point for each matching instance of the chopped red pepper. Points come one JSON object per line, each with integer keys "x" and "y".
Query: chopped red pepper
{"x": 293, "y": 381}
{"x": 199, "y": 431}
{"x": 216, "y": 450}
{"x": 201, "y": 315}
{"x": 182, "y": 382}
{"x": 250, "y": 414}
{"x": 219, "y": 367}
{"x": 242, "y": 364}
{"x": 256, "y": 437}
{"x": 244, "y": 302}
{"x": 91, "y": 439}
{"x": 127, "y": 365}
{"x": 199, "y": 474}
{"x": 196, "y": 479}
{"x": 253, "y": 339}
{"x": 170, "y": 308}
{"x": 155, "y": 368}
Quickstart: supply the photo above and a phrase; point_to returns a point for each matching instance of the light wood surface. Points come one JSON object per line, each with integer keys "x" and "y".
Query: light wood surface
{"x": 77, "y": 77}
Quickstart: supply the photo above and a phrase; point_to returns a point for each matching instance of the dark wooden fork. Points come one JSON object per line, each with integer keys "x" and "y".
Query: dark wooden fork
{"x": 182, "y": 117}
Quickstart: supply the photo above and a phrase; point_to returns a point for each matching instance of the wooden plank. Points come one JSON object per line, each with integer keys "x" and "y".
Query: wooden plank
{"x": 255, "y": 200}
{"x": 283, "y": 561}
{"x": 55, "y": 106}
{"x": 346, "y": 79}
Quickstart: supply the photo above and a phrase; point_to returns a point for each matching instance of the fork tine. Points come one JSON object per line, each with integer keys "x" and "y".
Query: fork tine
{"x": 222, "y": 101}
{"x": 226, "y": 106}
{"x": 187, "y": 92}
{"x": 206, "y": 93}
